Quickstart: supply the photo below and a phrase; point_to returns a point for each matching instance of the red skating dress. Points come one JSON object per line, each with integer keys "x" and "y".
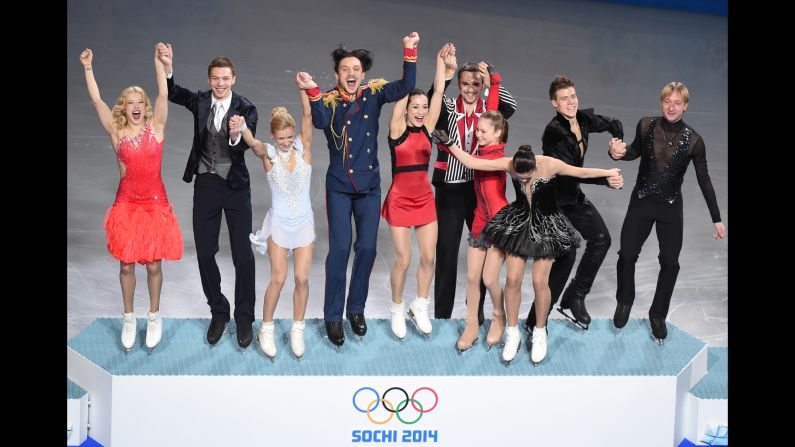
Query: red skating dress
{"x": 140, "y": 226}
{"x": 410, "y": 201}
{"x": 490, "y": 194}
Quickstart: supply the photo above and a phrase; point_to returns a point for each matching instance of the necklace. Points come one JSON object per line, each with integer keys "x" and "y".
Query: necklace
{"x": 669, "y": 142}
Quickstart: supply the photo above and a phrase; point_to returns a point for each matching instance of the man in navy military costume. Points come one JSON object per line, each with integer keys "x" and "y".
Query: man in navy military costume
{"x": 348, "y": 115}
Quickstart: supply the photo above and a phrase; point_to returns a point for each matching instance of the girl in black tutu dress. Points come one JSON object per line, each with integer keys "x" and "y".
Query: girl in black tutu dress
{"x": 531, "y": 227}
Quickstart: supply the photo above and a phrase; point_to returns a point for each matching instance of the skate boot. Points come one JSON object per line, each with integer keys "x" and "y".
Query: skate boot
{"x": 658, "y": 329}
{"x": 267, "y": 339}
{"x": 297, "y": 339}
{"x": 128, "y": 330}
{"x": 398, "y": 320}
{"x": 154, "y": 329}
{"x": 621, "y": 316}
{"x": 466, "y": 341}
{"x": 513, "y": 340}
{"x": 358, "y": 325}
{"x": 579, "y": 315}
{"x": 496, "y": 330}
{"x": 539, "y": 348}
{"x": 336, "y": 335}
{"x": 418, "y": 310}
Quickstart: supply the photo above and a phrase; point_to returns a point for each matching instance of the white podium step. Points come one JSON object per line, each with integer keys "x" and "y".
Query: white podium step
{"x": 594, "y": 388}
{"x": 76, "y": 414}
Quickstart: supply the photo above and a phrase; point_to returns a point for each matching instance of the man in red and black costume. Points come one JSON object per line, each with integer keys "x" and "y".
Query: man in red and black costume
{"x": 454, "y": 190}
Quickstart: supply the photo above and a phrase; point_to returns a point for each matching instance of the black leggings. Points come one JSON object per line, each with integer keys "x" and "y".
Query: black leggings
{"x": 641, "y": 215}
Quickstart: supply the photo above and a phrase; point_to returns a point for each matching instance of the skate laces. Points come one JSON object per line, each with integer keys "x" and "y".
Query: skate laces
{"x": 267, "y": 328}
{"x": 397, "y": 309}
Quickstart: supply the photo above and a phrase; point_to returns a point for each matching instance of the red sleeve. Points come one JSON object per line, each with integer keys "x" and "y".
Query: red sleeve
{"x": 493, "y": 102}
{"x": 313, "y": 93}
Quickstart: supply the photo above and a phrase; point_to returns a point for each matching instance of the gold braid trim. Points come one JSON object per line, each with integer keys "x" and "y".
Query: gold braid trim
{"x": 330, "y": 98}
{"x": 376, "y": 85}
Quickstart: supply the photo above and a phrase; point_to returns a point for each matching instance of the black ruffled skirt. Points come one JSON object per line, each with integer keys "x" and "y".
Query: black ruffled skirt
{"x": 523, "y": 231}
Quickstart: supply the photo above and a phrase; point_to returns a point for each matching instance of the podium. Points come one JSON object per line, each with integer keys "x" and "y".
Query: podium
{"x": 598, "y": 387}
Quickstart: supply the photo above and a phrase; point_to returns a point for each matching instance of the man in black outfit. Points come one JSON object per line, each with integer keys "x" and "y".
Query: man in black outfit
{"x": 666, "y": 146}
{"x": 222, "y": 185}
{"x": 566, "y": 138}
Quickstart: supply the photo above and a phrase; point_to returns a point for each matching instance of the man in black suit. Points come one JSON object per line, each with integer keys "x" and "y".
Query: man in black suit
{"x": 222, "y": 184}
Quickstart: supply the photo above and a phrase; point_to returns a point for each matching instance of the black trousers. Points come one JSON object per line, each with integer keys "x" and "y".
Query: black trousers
{"x": 586, "y": 219}
{"x": 211, "y": 196}
{"x": 455, "y": 204}
{"x": 667, "y": 218}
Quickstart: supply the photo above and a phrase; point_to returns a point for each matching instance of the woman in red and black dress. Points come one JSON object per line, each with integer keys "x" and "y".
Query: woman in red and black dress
{"x": 410, "y": 202}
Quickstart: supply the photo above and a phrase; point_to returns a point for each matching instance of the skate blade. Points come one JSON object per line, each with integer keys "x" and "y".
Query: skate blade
{"x": 508, "y": 362}
{"x": 468, "y": 348}
{"x": 571, "y": 318}
{"x": 425, "y": 335}
{"x": 500, "y": 343}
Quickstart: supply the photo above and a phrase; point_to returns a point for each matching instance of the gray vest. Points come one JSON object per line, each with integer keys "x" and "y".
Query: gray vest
{"x": 216, "y": 156}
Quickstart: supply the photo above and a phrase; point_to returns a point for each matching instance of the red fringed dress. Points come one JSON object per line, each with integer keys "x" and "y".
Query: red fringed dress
{"x": 141, "y": 226}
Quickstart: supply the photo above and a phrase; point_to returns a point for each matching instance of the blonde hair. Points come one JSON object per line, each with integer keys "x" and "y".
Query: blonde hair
{"x": 281, "y": 119}
{"x": 118, "y": 109}
{"x": 677, "y": 87}
{"x": 498, "y": 122}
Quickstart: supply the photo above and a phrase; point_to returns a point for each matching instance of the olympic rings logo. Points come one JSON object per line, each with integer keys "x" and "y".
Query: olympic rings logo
{"x": 395, "y": 410}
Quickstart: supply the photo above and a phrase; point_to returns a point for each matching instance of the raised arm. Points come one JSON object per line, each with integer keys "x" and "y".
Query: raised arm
{"x": 176, "y": 94}
{"x": 395, "y": 90}
{"x": 507, "y": 105}
{"x": 104, "y": 113}
{"x": 306, "y": 117}
{"x": 558, "y": 167}
{"x": 498, "y": 98}
{"x": 435, "y": 106}
{"x": 397, "y": 122}
{"x": 450, "y": 66}
{"x": 321, "y": 115}
{"x": 161, "y": 99}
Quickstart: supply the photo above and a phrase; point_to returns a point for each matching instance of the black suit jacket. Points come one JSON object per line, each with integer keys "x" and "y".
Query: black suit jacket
{"x": 199, "y": 103}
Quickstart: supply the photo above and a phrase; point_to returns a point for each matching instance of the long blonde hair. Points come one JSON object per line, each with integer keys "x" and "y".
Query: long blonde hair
{"x": 118, "y": 109}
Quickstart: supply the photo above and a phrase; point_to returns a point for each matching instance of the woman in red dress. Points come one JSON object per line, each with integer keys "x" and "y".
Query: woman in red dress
{"x": 140, "y": 226}
{"x": 409, "y": 202}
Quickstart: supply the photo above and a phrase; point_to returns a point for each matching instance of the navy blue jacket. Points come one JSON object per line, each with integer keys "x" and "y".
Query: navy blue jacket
{"x": 351, "y": 129}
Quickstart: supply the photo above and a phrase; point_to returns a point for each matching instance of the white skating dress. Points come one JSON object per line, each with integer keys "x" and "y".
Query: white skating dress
{"x": 289, "y": 222}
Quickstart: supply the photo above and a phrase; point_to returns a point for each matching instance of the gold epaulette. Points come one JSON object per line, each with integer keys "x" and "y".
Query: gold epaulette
{"x": 376, "y": 85}
{"x": 330, "y": 98}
